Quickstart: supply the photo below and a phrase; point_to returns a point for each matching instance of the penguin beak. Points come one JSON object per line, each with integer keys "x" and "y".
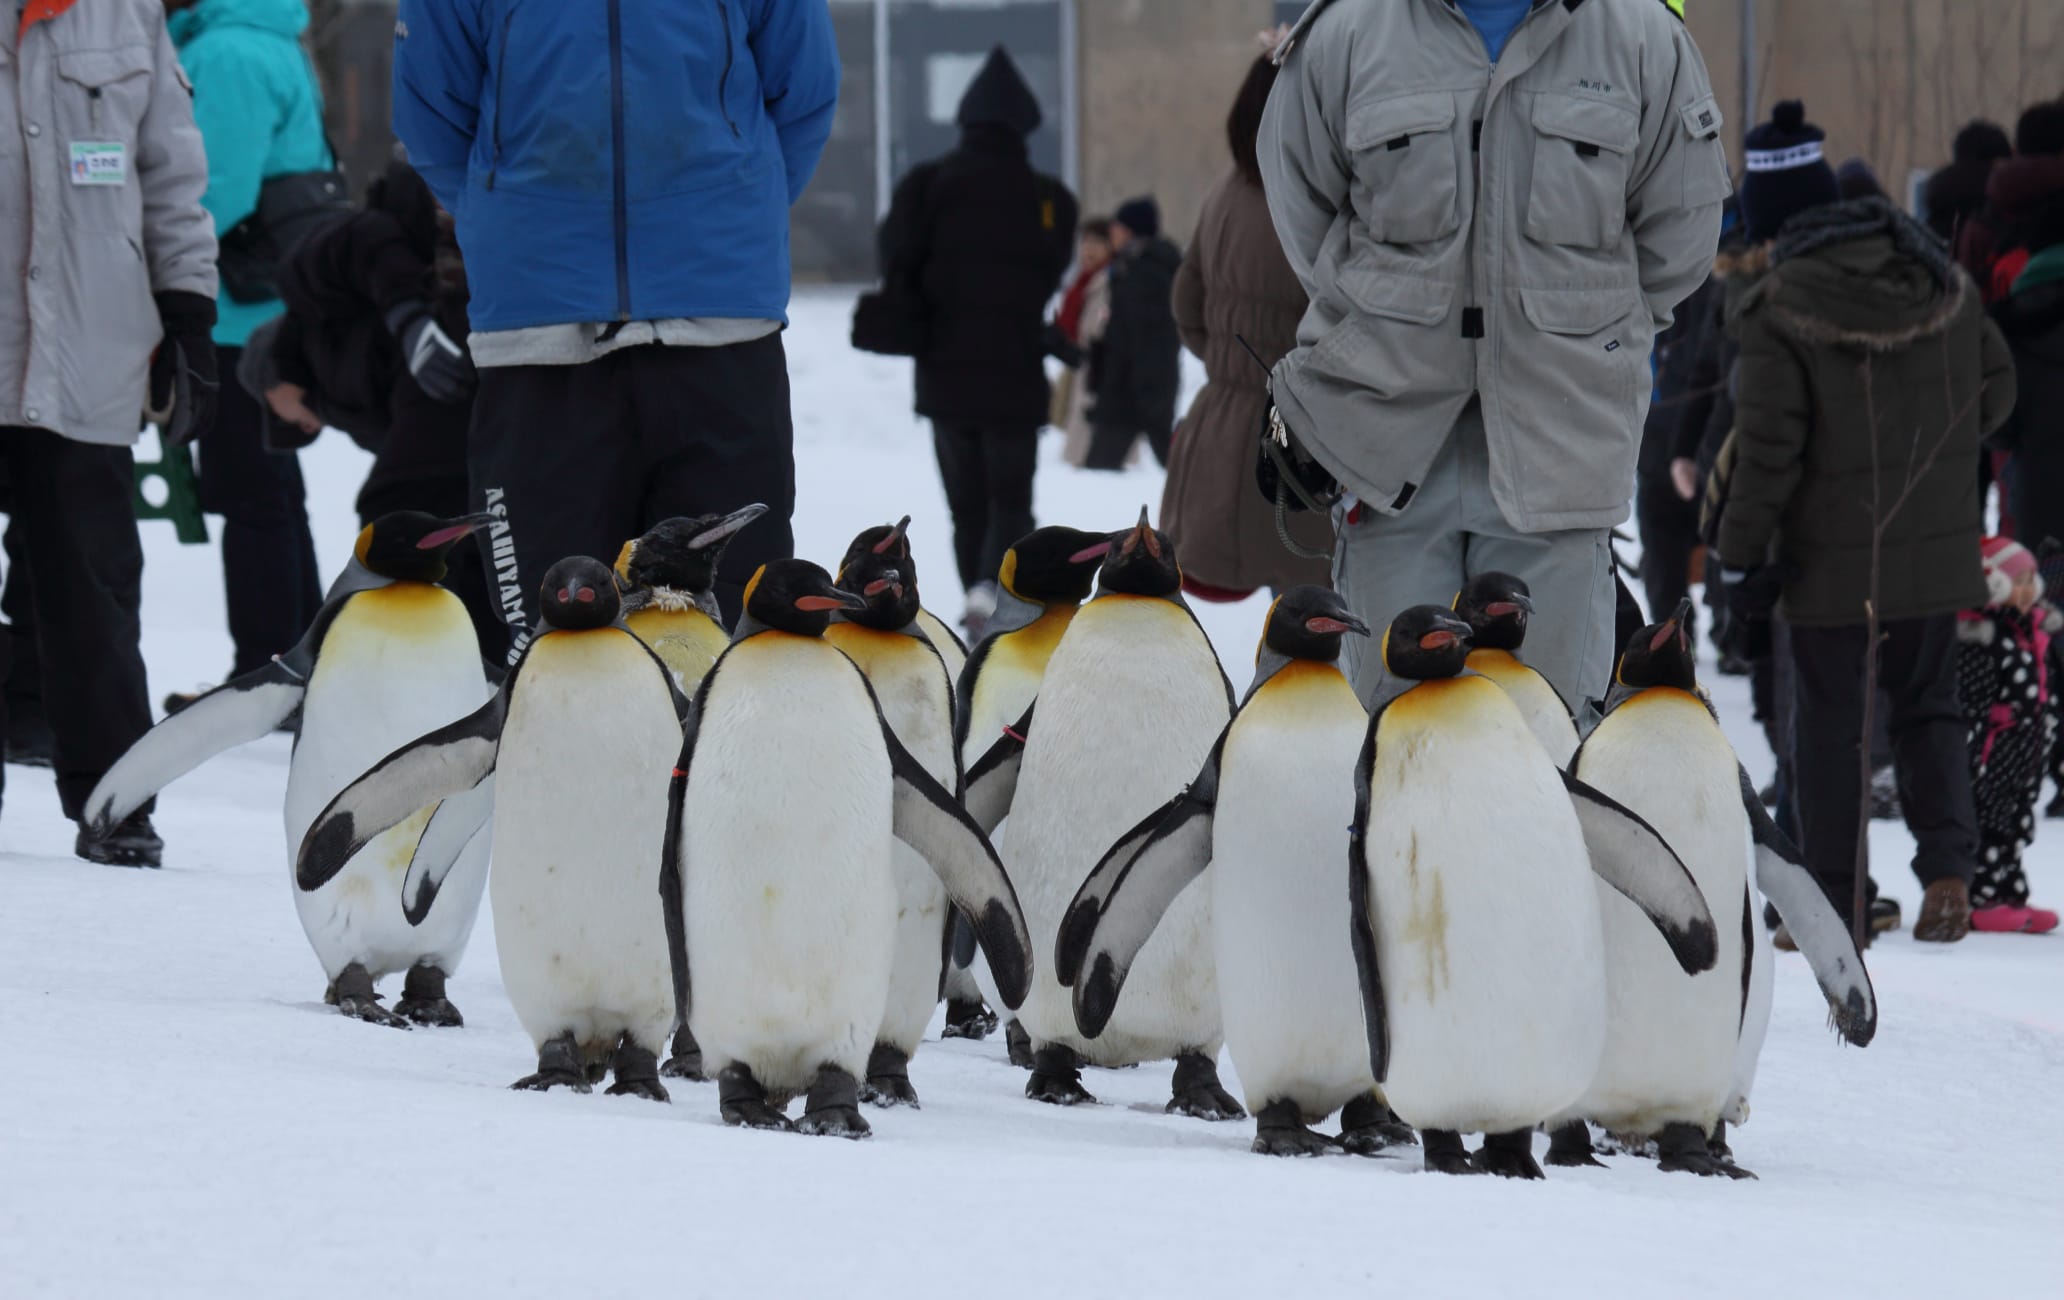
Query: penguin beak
{"x": 1682, "y": 612}
{"x": 1092, "y": 554}
{"x": 453, "y": 531}
{"x": 886, "y": 544}
{"x": 1142, "y": 534}
{"x": 1671, "y": 627}
{"x": 1336, "y": 621}
{"x": 1515, "y": 604}
{"x": 890, "y": 581}
{"x": 831, "y": 598}
{"x": 727, "y": 527}
{"x": 1445, "y": 634}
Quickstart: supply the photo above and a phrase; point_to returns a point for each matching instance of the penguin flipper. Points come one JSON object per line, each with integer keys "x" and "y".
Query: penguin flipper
{"x": 992, "y": 783}
{"x": 1361, "y": 927}
{"x": 1784, "y": 878}
{"x": 452, "y": 827}
{"x": 232, "y": 714}
{"x": 670, "y": 892}
{"x": 944, "y": 834}
{"x": 1115, "y": 912}
{"x": 450, "y": 760}
{"x": 1628, "y": 854}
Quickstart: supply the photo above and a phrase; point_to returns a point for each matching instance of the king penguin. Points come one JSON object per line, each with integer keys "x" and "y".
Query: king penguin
{"x": 910, "y": 680}
{"x": 777, "y": 877}
{"x": 1474, "y": 923}
{"x": 1266, "y": 815}
{"x": 667, "y": 578}
{"x": 1669, "y": 1070}
{"x": 390, "y": 655}
{"x": 1497, "y": 607}
{"x": 580, "y": 740}
{"x": 1131, "y": 704}
{"x": 892, "y": 543}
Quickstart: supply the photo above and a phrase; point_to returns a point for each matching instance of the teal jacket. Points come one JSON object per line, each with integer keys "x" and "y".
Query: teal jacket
{"x": 260, "y": 114}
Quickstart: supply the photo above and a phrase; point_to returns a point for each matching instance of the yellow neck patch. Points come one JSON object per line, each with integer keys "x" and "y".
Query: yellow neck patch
{"x": 753, "y": 585}
{"x": 623, "y": 561}
{"x": 363, "y": 544}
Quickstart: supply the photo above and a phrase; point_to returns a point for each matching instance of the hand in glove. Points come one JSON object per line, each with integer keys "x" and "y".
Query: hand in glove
{"x": 183, "y": 382}
{"x": 439, "y": 366}
{"x": 1748, "y": 599}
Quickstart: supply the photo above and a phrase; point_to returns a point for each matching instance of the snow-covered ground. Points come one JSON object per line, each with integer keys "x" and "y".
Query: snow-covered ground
{"x": 184, "y": 1118}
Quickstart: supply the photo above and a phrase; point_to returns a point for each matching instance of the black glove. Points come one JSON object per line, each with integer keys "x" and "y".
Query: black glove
{"x": 439, "y": 366}
{"x": 183, "y": 382}
{"x": 1061, "y": 348}
{"x": 1748, "y": 599}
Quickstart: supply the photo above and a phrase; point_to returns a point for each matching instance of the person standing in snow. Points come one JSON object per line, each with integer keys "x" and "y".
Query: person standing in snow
{"x": 1473, "y": 370}
{"x": 1135, "y": 365}
{"x": 1955, "y": 193}
{"x": 2019, "y": 192}
{"x": 1233, "y": 292}
{"x": 2003, "y": 679}
{"x": 985, "y": 240}
{"x": 260, "y": 116}
{"x": 1868, "y": 372}
{"x": 1085, "y": 307}
{"x": 109, "y": 296}
{"x": 622, "y": 188}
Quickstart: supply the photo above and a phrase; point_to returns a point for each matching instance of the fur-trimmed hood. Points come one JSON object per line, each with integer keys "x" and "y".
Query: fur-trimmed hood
{"x": 1860, "y": 275}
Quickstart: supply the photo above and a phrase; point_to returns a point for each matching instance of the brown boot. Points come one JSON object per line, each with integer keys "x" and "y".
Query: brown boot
{"x": 1945, "y": 912}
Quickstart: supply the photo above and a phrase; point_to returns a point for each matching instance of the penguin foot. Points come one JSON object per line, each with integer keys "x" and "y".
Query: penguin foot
{"x": 1569, "y": 1147}
{"x": 1445, "y": 1153}
{"x": 1018, "y": 1043}
{"x": 423, "y": 1000}
{"x": 1198, "y": 1093}
{"x": 1279, "y": 1130}
{"x": 833, "y": 1106}
{"x": 970, "y": 1020}
{"x": 1056, "y": 1077}
{"x": 1509, "y": 1155}
{"x": 559, "y": 1066}
{"x": 888, "y": 1079}
{"x": 353, "y": 995}
{"x": 1681, "y": 1149}
{"x": 686, "y": 1062}
{"x": 1716, "y": 1145}
{"x": 742, "y": 1101}
{"x": 1369, "y": 1127}
{"x": 637, "y": 1072}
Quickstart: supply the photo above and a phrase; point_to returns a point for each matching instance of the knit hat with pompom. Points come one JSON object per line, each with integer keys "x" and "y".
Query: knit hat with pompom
{"x": 2006, "y": 563}
{"x": 1785, "y": 171}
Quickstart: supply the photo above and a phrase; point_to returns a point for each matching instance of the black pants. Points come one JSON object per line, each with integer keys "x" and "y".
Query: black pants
{"x": 1917, "y": 671}
{"x": 269, "y": 577}
{"x": 76, "y": 531}
{"x": 1110, "y": 444}
{"x": 578, "y": 460}
{"x": 988, "y": 474}
{"x": 1669, "y": 533}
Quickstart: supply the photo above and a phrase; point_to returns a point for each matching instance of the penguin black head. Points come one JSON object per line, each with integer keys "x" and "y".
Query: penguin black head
{"x": 580, "y": 595}
{"x": 887, "y": 584}
{"x": 1661, "y": 655}
{"x": 1496, "y": 606}
{"x": 410, "y": 546}
{"x": 1141, "y": 563}
{"x": 1054, "y": 565}
{"x": 1424, "y": 643}
{"x": 795, "y": 596}
{"x": 682, "y": 554}
{"x": 1307, "y": 623}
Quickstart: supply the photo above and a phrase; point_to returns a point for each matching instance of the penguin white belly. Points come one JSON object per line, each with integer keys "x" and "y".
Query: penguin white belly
{"x": 1485, "y": 916}
{"x": 786, "y": 875}
{"x": 1545, "y": 713}
{"x": 944, "y": 642}
{"x": 586, "y": 757}
{"x": 1286, "y": 971}
{"x": 1009, "y": 678}
{"x": 1130, "y": 706}
{"x": 916, "y": 700}
{"x": 1671, "y": 1038}
{"x": 1756, "y": 1018}
{"x": 395, "y": 663}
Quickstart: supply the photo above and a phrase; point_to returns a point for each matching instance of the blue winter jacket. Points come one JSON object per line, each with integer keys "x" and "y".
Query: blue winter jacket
{"x": 616, "y": 160}
{"x": 260, "y": 115}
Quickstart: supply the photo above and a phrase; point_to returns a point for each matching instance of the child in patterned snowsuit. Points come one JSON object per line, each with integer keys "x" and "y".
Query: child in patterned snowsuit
{"x": 2004, "y": 682}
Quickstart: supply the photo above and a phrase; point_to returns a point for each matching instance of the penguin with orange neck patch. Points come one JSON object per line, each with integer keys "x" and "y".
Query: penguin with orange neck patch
{"x": 915, "y": 691}
{"x": 1265, "y": 815}
{"x": 668, "y": 578}
{"x": 891, "y": 543}
{"x": 1472, "y": 915}
{"x": 587, "y": 718}
{"x": 1497, "y": 607}
{"x": 390, "y": 656}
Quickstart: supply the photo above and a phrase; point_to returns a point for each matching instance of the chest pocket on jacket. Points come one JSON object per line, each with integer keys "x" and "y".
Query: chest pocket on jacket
{"x": 1581, "y": 161}
{"x": 102, "y": 94}
{"x": 1405, "y": 183}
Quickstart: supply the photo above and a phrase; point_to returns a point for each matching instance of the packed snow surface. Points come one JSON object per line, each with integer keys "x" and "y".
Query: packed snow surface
{"x": 183, "y": 1117}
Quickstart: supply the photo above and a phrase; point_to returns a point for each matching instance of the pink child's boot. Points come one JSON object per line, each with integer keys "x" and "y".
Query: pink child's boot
{"x": 2001, "y": 919}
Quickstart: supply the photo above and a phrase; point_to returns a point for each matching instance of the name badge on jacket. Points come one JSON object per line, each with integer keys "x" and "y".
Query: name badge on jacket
{"x": 97, "y": 163}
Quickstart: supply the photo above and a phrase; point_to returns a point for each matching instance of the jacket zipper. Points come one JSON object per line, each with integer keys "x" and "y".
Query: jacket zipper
{"x": 93, "y": 110}
{"x": 501, "y": 74}
{"x": 724, "y": 79}
{"x": 616, "y": 143}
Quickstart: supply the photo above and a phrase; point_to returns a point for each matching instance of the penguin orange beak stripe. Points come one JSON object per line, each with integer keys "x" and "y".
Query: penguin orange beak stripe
{"x": 1662, "y": 636}
{"x": 1437, "y": 640}
{"x": 1501, "y": 609}
{"x": 446, "y": 536}
{"x": 818, "y": 604}
{"x": 895, "y": 535}
{"x": 880, "y": 585}
{"x": 1089, "y": 553}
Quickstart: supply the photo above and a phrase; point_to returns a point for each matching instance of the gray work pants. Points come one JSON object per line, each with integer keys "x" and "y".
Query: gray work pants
{"x": 1451, "y": 532}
